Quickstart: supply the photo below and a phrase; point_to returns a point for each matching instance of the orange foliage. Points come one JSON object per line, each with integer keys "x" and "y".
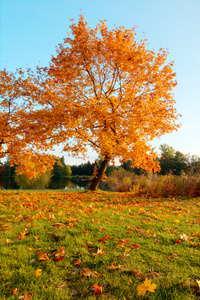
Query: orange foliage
{"x": 15, "y": 124}
{"x": 102, "y": 89}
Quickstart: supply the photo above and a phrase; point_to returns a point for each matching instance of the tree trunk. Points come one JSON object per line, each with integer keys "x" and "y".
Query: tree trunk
{"x": 97, "y": 179}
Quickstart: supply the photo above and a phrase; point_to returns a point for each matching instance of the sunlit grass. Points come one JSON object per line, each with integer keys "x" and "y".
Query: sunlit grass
{"x": 121, "y": 239}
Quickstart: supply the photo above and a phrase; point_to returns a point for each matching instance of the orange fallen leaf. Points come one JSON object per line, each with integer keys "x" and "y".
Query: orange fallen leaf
{"x": 89, "y": 273}
{"x": 135, "y": 246}
{"x": 51, "y": 217}
{"x": 25, "y": 297}
{"x": 58, "y": 256}
{"x": 78, "y": 262}
{"x": 97, "y": 289}
{"x": 122, "y": 243}
{"x": 42, "y": 256}
{"x": 104, "y": 238}
{"x": 58, "y": 225}
{"x": 118, "y": 267}
{"x": 14, "y": 291}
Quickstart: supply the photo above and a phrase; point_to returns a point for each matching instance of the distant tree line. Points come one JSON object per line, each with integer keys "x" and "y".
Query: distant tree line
{"x": 171, "y": 162}
{"x": 87, "y": 169}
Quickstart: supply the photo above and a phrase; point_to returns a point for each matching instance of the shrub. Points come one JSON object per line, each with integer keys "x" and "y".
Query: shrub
{"x": 154, "y": 185}
{"x": 39, "y": 182}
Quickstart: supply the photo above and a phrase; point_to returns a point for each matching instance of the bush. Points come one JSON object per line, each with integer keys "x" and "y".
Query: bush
{"x": 120, "y": 180}
{"x": 154, "y": 185}
{"x": 41, "y": 181}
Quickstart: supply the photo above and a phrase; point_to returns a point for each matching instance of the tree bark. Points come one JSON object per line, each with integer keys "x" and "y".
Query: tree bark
{"x": 97, "y": 179}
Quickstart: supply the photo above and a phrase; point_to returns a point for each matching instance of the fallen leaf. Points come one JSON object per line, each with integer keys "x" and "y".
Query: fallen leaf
{"x": 124, "y": 255}
{"x": 78, "y": 262}
{"x": 58, "y": 256}
{"x": 155, "y": 274}
{"x": 122, "y": 243}
{"x": 37, "y": 238}
{"x": 135, "y": 246}
{"x": 14, "y": 291}
{"x": 25, "y": 297}
{"x": 38, "y": 272}
{"x": 184, "y": 237}
{"x": 58, "y": 225}
{"x": 51, "y": 217}
{"x": 99, "y": 253}
{"x": 97, "y": 289}
{"x": 104, "y": 238}
{"x": 89, "y": 273}
{"x": 101, "y": 229}
{"x": 146, "y": 286}
{"x": 42, "y": 256}
{"x": 118, "y": 267}
{"x": 198, "y": 282}
{"x": 177, "y": 241}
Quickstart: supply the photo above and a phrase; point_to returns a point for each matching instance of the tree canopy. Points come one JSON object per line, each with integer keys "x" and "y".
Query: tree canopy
{"x": 103, "y": 89}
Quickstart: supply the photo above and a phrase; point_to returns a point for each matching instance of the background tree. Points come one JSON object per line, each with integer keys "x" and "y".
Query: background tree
{"x": 181, "y": 163}
{"x": 83, "y": 169}
{"x": 60, "y": 169}
{"x": 105, "y": 90}
{"x": 167, "y": 159}
{"x": 127, "y": 165}
{"x": 172, "y": 161}
{"x": 194, "y": 164}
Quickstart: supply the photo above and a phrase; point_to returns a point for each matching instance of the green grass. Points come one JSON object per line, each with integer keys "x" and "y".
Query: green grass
{"x": 121, "y": 239}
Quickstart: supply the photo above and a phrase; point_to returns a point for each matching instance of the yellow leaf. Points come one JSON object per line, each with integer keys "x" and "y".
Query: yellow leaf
{"x": 146, "y": 286}
{"x": 198, "y": 282}
{"x": 127, "y": 250}
{"x": 176, "y": 221}
{"x": 38, "y": 272}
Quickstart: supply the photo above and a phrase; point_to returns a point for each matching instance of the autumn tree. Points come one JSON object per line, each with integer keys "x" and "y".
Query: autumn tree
{"x": 9, "y": 92}
{"x": 15, "y": 143}
{"x": 106, "y": 90}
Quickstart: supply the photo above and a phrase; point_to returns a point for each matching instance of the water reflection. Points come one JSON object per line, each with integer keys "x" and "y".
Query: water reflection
{"x": 61, "y": 183}
{"x": 67, "y": 184}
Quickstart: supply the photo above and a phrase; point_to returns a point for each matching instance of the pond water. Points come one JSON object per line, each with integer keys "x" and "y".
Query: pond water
{"x": 63, "y": 183}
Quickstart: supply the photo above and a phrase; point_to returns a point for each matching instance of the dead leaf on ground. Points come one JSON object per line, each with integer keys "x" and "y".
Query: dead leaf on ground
{"x": 88, "y": 273}
{"x": 78, "y": 262}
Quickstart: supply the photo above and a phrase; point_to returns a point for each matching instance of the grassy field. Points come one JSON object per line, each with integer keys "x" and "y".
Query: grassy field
{"x": 84, "y": 245}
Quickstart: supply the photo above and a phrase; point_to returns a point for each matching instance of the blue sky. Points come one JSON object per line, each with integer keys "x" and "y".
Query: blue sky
{"x": 30, "y": 30}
